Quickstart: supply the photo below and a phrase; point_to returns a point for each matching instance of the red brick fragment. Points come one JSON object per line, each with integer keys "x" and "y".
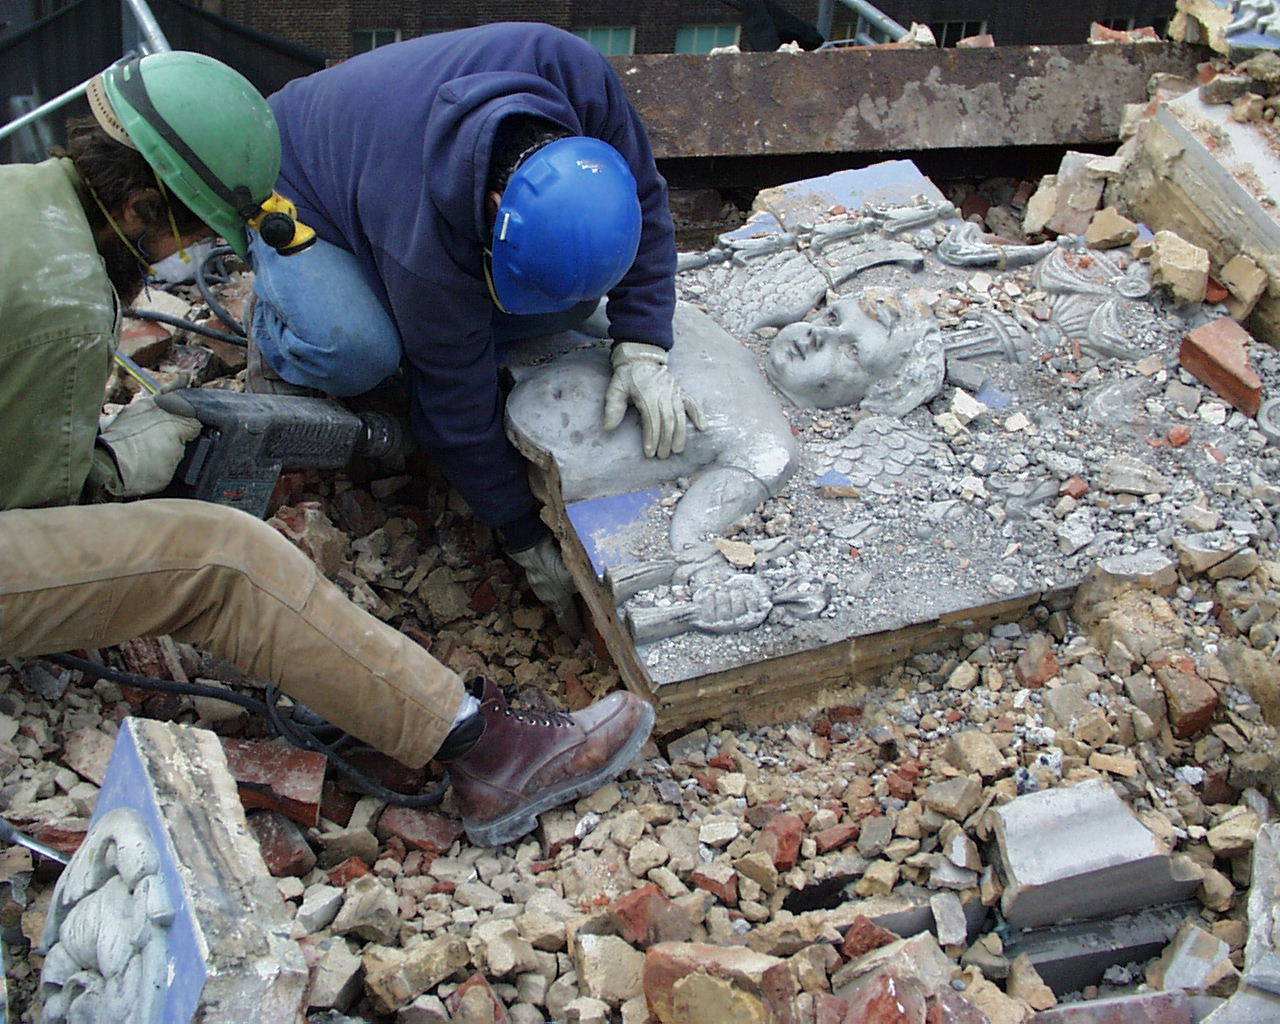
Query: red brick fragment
{"x": 899, "y": 785}
{"x": 278, "y": 778}
{"x": 884, "y": 998}
{"x": 863, "y": 936}
{"x": 833, "y": 838}
{"x": 1191, "y": 700}
{"x": 454, "y": 1002}
{"x": 1218, "y": 354}
{"x": 144, "y": 341}
{"x": 1076, "y": 487}
{"x": 975, "y": 203}
{"x": 420, "y": 830}
{"x": 725, "y": 762}
{"x": 348, "y": 871}
{"x": 645, "y": 917}
{"x": 724, "y": 889}
{"x": 1179, "y": 435}
{"x": 576, "y": 695}
{"x": 1215, "y": 291}
{"x": 387, "y": 771}
{"x": 284, "y": 848}
{"x": 337, "y": 804}
{"x": 64, "y": 836}
{"x": 1037, "y": 664}
{"x": 780, "y": 838}
{"x": 759, "y": 815}
{"x": 484, "y": 598}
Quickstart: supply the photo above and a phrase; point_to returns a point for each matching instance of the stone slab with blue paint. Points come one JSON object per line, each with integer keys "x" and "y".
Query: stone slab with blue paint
{"x": 170, "y": 895}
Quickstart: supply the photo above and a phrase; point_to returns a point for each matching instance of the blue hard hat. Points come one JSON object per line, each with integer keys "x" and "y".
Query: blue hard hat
{"x": 567, "y": 229}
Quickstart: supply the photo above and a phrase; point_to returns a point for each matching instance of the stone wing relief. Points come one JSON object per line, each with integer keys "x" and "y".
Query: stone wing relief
{"x": 106, "y": 938}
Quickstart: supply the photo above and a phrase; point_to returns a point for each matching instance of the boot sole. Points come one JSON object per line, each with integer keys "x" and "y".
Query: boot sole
{"x": 524, "y": 819}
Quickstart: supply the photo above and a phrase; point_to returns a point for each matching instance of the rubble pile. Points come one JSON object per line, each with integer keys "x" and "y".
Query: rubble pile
{"x": 1066, "y": 819}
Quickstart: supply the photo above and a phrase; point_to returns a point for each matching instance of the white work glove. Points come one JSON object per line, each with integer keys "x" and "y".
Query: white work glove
{"x": 551, "y": 582}
{"x": 147, "y": 444}
{"x": 640, "y": 376}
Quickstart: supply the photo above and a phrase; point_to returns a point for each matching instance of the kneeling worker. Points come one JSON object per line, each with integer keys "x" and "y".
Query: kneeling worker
{"x": 185, "y": 147}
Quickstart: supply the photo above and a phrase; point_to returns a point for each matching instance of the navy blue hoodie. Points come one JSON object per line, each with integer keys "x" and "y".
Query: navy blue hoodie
{"x": 387, "y": 154}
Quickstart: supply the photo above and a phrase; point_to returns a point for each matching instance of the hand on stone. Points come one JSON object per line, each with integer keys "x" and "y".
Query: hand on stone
{"x": 641, "y": 377}
{"x": 732, "y": 605}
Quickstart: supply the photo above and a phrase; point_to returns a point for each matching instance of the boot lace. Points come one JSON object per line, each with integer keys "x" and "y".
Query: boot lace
{"x": 546, "y": 719}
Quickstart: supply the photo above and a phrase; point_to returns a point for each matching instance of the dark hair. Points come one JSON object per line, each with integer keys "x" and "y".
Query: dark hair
{"x": 114, "y": 172}
{"x": 518, "y": 137}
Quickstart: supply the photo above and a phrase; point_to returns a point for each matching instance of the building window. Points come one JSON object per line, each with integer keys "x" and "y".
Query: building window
{"x": 948, "y": 33}
{"x": 611, "y": 40}
{"x": 703, "y": 38}
{"x": 366, "y": 39}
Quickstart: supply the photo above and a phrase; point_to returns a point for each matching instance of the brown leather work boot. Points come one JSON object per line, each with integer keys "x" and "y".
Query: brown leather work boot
{"x": 527, "y": 762}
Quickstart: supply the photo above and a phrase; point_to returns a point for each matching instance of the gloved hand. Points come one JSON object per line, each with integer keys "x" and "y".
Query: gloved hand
{"x": 147, "y": 444}
{"x": 640, "y": 376}
{"x": 551, "y": 582}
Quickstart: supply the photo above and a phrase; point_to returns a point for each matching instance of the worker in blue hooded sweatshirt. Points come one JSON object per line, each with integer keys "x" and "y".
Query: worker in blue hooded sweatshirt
{"x": 471, "y": 188}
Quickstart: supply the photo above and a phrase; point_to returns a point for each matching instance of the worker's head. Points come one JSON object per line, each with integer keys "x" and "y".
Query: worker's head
{"x": 133, "y": 216}
{"x": 566, "y": 221}
{"x": 206, "y": 132}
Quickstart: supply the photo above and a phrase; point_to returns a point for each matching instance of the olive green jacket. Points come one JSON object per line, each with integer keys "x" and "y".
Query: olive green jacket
{"x": 58, "y": 322}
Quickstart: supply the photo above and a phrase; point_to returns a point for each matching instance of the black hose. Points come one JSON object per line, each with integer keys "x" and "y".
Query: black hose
{"x": 211, "y": 300}
{"x": 299, "y": 736}
{"x": 189, "y": 325}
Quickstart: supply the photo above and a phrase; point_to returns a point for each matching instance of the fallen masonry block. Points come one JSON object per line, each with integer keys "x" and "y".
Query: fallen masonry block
{"x": 1147, "y": 1008}
{"x": 1181, "y": 267}
{"x": 919, "y": 957}
{"x": 1194, "y": 960}
{"x": 278, "y": 777}
{"x": 1069, "y": 957}
{"x": 1078, "y": 852}
{"x": 1218, "y": 354}
{"x": 167, "y": 911}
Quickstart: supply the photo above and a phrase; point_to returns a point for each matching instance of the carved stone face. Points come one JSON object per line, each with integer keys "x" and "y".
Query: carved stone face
{"x": 838, "y": 359}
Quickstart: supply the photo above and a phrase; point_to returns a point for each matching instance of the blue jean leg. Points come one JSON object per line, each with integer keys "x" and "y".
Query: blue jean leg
{"x": 319, "y": 321}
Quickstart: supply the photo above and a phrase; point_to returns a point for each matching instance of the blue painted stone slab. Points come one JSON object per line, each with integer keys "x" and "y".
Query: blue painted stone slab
{"x": 606, "y": 526}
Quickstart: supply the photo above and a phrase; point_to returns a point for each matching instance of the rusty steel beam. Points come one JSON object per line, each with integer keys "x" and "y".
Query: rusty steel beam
{"x": 884, "y": 101}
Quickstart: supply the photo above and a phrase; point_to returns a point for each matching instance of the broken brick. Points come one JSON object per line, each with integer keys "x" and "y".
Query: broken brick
{"x": 420, "y": 830}
{"x": 477, "y": 981}
{"x": 718, "y": 879}
{"x": 1217, "y": 353}
{"x": 1179, "y": 435}
{"x": 278, "y": 778}
{"x": 484, "y": 598}
{"x": 767, "y": 978}
{"x": 144, "y": 341}
{"x": 946, "y": 1006}
{"x": 337, "y": 804}
{"x": 833, "y": 838}
{"x": 863, "y": 936}
{"x": 1215, "y": 291}
{"x": 645, "y": 917}
{"x": 1037, "y": 664}
{"x": 885, "y": 998}
{"x": 348, "y": 871}
{"x": 829, "y": 1009}
{"x": 1191, "y": 700}
{"x": 284, "y": 848}
{"x": 1075, "y": 487}
{"x": 780, "y": 838}
{"x": 64, "y": 836}
{"x": 87, "y": 752}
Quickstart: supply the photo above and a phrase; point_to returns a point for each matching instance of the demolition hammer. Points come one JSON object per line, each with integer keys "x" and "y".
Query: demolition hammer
{"x": 247, "y": 441}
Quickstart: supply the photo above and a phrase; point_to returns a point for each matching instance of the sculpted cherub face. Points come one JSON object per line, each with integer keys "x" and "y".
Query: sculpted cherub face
{"x": 838, "y": 358}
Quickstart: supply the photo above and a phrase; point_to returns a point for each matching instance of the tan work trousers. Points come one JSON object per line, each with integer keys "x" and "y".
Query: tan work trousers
{"x": 95, "y": 575}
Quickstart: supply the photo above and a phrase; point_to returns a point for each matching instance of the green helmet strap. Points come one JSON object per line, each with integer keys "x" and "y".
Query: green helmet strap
{"x": 134, "y": 90}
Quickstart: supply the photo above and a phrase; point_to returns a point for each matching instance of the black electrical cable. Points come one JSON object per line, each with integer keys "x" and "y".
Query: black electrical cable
{"x": 189, "y": 325}
{"x": 298, "y": 735}
{"x": 211, "y": 300}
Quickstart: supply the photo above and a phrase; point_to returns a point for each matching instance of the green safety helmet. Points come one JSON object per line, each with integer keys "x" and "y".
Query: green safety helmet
{"x": 205, "y": 129}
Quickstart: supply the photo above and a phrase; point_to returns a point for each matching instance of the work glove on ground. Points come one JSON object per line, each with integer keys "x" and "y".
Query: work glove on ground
{"x": 551, "y": 582}
{"x": 640, "y": 376}
{"x": 146, "y": 444}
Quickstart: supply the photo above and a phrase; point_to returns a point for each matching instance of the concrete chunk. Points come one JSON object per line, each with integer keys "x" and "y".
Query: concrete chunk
{"x": 1078, "y": 852}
